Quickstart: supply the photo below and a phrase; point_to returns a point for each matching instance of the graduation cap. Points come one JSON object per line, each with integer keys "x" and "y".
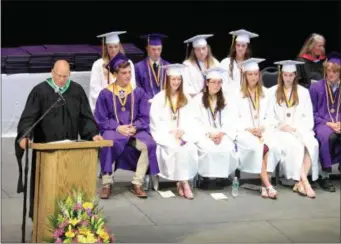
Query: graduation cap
{"x": 154, "y": 39}
{"x": 288, "y": 65}
{"x": 115, "y": 61}
{"x": 174, "y": 69}
{"x": 215, "y": 73}
{"x": 251, "y": 64}
{"x": 198, "y": 40}
{"x": 112, "y": 37}
{"x": 334, "y": 57}
{"x": 243, "y": 35}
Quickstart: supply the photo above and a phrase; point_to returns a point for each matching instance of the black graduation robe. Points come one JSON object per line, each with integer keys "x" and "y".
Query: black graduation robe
{"x": 312, "y": 69}
{"x": 66, "y": 121}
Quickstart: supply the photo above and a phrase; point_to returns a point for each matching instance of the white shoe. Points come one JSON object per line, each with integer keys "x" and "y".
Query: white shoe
{"x": 155, "y": 181}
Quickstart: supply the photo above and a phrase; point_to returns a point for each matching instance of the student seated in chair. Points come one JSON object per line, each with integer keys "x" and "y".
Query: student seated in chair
{"x": 122, "y": 114}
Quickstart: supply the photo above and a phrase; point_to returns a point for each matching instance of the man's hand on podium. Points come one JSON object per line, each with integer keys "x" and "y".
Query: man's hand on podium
{"x": 97, "y": 138}
{"x": 23, "y": 143}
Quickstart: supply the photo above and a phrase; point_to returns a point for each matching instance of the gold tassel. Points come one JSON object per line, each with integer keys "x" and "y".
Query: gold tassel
{"x": 233, "y": 39}
{"x": 103, "y": 48}
{"x": 278, "y": 74}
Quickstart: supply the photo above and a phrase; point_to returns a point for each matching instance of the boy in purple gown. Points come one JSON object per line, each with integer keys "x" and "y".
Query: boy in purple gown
{"x": 326, "y": 99}
{"x": 148, "y": 72}
{"x": 122, "y": 114}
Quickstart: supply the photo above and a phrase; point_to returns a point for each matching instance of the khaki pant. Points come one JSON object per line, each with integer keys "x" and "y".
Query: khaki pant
{"x": 141, "y": 167}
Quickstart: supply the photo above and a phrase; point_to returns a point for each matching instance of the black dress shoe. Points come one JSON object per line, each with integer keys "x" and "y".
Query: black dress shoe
{"x": 327, "y": 185}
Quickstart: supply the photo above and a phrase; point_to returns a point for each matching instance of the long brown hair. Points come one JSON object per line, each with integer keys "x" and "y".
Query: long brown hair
{"x": 233, "y": 54}
{"x": 182, "y": 100}
{"x": 209, "y": 59}
{"x": 220, "y": 98}
{"x": 245, "y": 86}
{"x": 280, "y": 96}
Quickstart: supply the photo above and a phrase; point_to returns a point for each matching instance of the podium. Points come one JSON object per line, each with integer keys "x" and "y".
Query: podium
{"x": 59, "y": 167}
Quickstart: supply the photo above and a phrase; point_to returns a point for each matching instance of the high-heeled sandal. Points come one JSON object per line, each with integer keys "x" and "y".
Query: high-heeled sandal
{"x": 273, "y": 194}
{"x": 180, "y": 190}
{"x": 264, "y": 192}
{"x": 299, "y": 189}
{"x": 312, "y": 194}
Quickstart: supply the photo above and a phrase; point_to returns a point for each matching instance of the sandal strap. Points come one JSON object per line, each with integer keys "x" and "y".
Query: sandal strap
{"x": 271, "y": 189}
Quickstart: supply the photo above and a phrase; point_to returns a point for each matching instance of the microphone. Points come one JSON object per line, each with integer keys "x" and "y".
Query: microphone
{"x": 56, "y": 90}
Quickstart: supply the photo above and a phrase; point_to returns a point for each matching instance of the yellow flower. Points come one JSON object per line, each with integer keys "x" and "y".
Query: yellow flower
{"x": 74, "y": 221}
{"x": 70, "y": 233}
{"x": 104, "y": 235}
{"x": 84, "y": 231}
{"x": 88, "y": 239}
{"x": 87, "y": 205}
{"x": 67, "y": 240}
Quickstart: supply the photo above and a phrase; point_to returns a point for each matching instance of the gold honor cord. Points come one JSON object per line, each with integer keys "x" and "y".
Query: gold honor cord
{"x": 288, "y": 100}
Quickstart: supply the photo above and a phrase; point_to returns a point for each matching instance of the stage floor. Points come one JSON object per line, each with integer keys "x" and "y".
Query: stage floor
{"x": 245, "y": 219}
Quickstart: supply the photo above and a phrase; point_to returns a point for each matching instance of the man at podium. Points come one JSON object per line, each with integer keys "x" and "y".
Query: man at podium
{"x": 69, "y": 115}
{"x": 122, "y": 114}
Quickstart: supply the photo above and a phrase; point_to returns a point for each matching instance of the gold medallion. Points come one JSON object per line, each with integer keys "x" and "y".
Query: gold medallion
{"x": 288, "y": 115}
{"x": 174, "y": 117}
{"x": 123, "y": 109}
{"x": 332, "y": 110}
{"x": 256, "y": 116}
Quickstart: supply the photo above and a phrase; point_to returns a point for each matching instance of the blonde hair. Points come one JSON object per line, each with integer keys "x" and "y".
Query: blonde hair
{"x": 209, "y": 59}
{"x": 310, "y": 43}
{"x": 245, "y": 86}
{"x": 105, "y": 54}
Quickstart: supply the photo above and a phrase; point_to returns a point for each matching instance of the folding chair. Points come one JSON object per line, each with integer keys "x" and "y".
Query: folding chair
{"x": 269, "y": 76}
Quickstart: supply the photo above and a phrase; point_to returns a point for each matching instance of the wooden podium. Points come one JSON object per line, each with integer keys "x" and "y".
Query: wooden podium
{"x": 59, "y": 167}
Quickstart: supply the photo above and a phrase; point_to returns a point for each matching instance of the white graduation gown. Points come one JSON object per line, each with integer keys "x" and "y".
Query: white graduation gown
{"x": 250, "y": 148}
{"x": 176, "y": 162}
{"x": 216, "y": 161}
{"x": 235, "y": 81}
{"x": 193, "y": 78}
{"x": 294, "y": 144}
{"x": 99, "y": 81}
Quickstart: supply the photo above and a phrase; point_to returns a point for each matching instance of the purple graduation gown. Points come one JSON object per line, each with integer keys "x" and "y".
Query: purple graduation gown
{"x": 145, "y": 78}
{"x": 126, "y": 156}
{"x": 321, "y": 117}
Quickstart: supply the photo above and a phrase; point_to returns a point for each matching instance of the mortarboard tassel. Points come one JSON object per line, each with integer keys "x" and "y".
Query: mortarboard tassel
{"x": 324, "y": 69}
{"x": 103, "y": 48}
{"x": 187, "y": 50}
{"x": 278, "y": 74}
{"x": 233, "y": 39}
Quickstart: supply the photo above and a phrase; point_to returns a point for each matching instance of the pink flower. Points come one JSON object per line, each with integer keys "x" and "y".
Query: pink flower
{"x": 85, "y": 222}
{"x": 99, "y": 240}
{"x": 58, "y": 240}
{"x": 77, "y": 206}
{"x": 65, "y": 223}
{"x": 58, "y": 233}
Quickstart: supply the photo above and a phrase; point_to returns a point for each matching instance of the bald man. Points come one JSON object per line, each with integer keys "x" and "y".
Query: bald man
{"x": 69, "y": 119}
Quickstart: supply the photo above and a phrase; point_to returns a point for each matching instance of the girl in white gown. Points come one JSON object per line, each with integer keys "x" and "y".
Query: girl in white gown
{"x": 259, "y": 150}
{"x": 216, "y": 128}
{"x": 200, "y": 60}
{"x": 291, "y": 115}
{"x": 239, "y": 52}
{"x": 171, "y": 125}
{"x": 100, "y": 76}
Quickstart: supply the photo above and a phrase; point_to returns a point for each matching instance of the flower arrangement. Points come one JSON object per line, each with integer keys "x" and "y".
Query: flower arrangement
{"x": 78, "y": 220}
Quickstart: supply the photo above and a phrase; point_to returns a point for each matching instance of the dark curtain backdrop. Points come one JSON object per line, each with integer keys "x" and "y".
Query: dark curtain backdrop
{"x": 282, "y": 26}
